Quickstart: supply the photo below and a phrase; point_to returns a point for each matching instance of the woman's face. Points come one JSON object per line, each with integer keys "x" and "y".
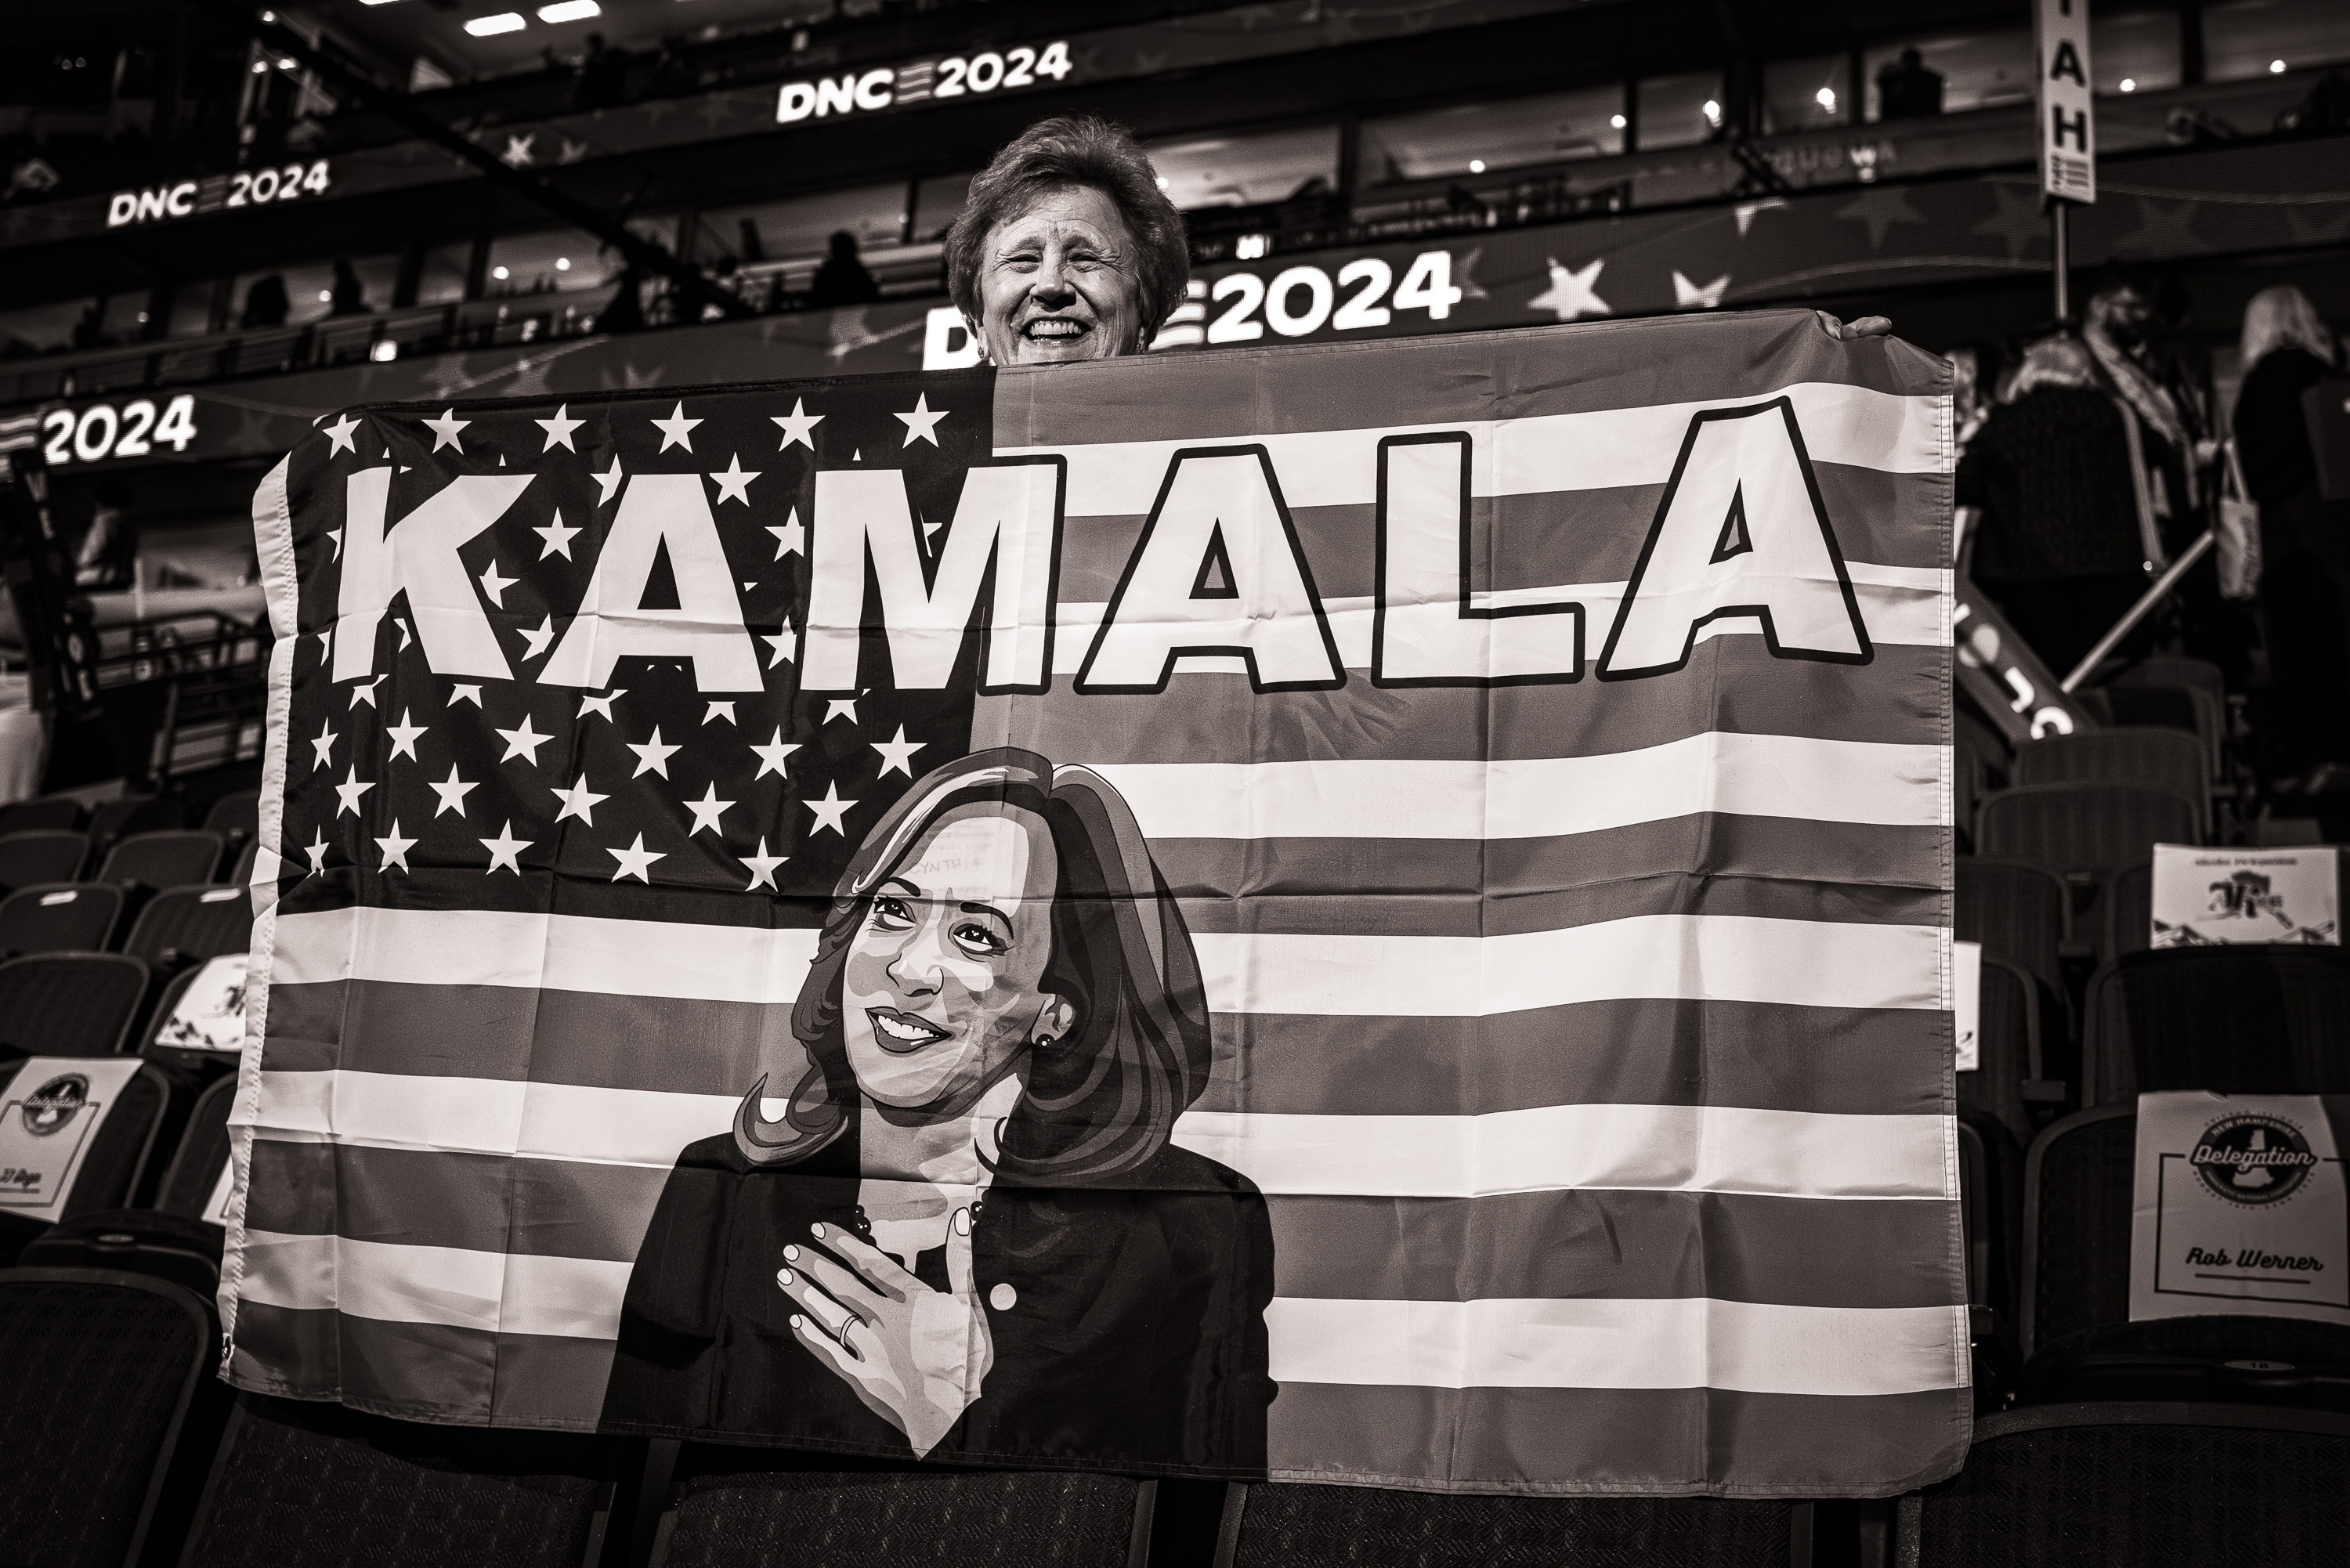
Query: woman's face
{"x": 1057, "y": 282}
{"x": 941, "y": 993}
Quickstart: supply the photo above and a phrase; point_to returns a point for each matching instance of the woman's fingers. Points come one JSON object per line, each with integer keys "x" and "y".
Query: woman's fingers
{"x": 843, "y": 1361}
{"x": 827, "y": 1313}
{"x": 880, "y": 1271}
{"x": 850, "y": 1288}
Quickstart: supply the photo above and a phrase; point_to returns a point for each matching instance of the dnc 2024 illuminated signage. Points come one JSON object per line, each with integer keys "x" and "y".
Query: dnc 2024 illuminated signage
{"x": 219, "y": 192}
{"x": 936, "y": 79}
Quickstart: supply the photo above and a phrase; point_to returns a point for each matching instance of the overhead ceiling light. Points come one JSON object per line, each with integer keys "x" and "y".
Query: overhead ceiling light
{"x": 570, "y": 11}
{"x": 499, "y": 272}
{"x": 2276, "y": 67}
{"x": 385, "y": 350}
{"x": 1713, "y": 112}
{"x": 1826, "y": 97}
{"x": 1476, "y": 166}
{"x": 2130, "y": 84}
{"x": 563, "y": 264}
{"x": 491, "y": 27}
{"x": 326, "y": 296}
{"x": 1617, "y": 120}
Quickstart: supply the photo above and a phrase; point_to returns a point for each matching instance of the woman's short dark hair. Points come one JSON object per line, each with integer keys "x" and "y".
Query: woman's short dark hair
{"x": 1053, "y": 155}
{"x": 1097, "y": 1102}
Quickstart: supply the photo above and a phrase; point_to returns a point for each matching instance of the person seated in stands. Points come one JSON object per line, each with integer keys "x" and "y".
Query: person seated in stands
{"x": 1908, "y": 89}
{"x": 109, "y": 556}
{"x": 842, "y": 279}
{"x": 349, "y": 292}
{"x": 265, "y": 303}
{"x": 603, "y": 76}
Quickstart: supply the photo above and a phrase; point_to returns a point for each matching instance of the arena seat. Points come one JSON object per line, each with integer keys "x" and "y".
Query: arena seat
{"x": 2089, "y": 1485}
{"x": 2017, "y": 908}
{"x": 2190, "y": 709}
{"x": 113, "y": 1410}
{"x": 241, "y": 876}
{"x": 2009, "y": 1076}
{"x": 1991, "y": 1205}
{"x": 2128, "y": 906}
{"x": 2163, "y": 758}
{"x": 235, "y": 817}
{"x": 118, "y": 819}
{"x": 115, "y": 1167}
{"x": 46, "y": 855}
{"x": 163, "y": 859}
{"x": 188, "y": 925}
{"x": 2077, "y": 1337}
{"x": 69, "y": 1004}
{"x": 2084, "y": 830}
{"x": 2246, "y": 1019}
{"x": 302, "y": 1484}
{"x": 61, "y": 918}
{"x": 56, "y": 812}
{"x": 171, "y": 1240}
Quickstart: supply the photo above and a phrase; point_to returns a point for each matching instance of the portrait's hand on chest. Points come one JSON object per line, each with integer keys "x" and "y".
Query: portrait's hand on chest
{"x": 915, "y": 1356}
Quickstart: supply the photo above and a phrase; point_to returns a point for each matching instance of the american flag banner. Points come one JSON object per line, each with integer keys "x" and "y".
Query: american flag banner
{"x": 1370, "y": 913}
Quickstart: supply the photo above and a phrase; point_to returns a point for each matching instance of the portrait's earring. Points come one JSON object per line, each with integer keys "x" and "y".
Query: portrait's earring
{"x": 1042, "y": 1042}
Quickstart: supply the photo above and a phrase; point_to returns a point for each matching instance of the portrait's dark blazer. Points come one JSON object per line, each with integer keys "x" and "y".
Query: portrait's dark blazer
{"x": 1132, "y": 1337}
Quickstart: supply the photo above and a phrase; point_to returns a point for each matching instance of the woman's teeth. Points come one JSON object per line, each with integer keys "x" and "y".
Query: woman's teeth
{"x": 905, "y": 1029}
{"x": 1056, "y": 328}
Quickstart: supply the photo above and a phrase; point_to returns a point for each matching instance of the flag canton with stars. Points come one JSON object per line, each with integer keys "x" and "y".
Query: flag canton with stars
{"x": 648, "y": 794}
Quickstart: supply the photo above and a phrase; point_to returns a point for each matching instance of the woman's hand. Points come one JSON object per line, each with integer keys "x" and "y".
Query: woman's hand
{"x": 916, "y": 1357}
{"x": 1854, "y": 330}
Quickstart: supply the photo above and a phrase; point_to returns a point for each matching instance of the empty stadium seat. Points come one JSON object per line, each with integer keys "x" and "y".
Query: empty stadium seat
{"x": 235, "y": 817}
{"x": 194, "y": 923}
{"x": 2090, "y": 1485}
{"x": 115, "y": 1165}
{"x": 2248, "y": 1020}
{"x": 2166, "y": 759}
{"x": 118, "y": 819}
{"x": 2017, "y": 908}
{"x": 163, "y": 859}
{"x": 49, "y": 855}
{"x": 69, "y": 1004}
{"x": 2077, "y": 1337}
{"x": 243, "y": 875}
{"x": 2010, "y": 1076}
{"x": 60, "y": 917}
{"x": 113, "y": 1400}
{"x": 1991, "y": 1206}
{"x": 171, "y": 1238}
{"x": 300, "y": 1484}
{"x": 2084, "y": 831}
{"x": 2128, "y": 906}
{"x": 56, "y": 813}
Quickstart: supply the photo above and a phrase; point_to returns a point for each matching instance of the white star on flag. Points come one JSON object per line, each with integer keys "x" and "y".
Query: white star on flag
{"x": 504, "y": 849}
{"x": 609, "y": 482}
{"x": 829, "y": 811}
{"x": 799, "y": 425}
{"x": 763, "y": 867}
{"x": 465, "y": 692}
{"x": 558, "y": 538}
{"x": 840, "y": 708}
{"x": 538, "y": 637}
{"x": 495, "y": 586}
{"x": 676, "y": 429}
{"x": 791, "y": 539}
{"x": 339, "y": 436}
{"x": 1688, "y": 296}
{"x": 351, "y": 789}
{"x": 1570, "y": 292}
{"x": 317, "y": 850}
{"x": 652, "y": 756}
{"x": 771, "y": 754}
{"x": 523, "y": 742}
{"x": 406, "y": 636}
{"x": 578, "y": 801}
{"x": 335, "y": 538}
{"x": 923, "y": 423}
{"x": 403, "y": 736}
{"x": 395, "y": 849}
{"x": 897, "y": 755}
{"x": 720, "y": 709}
{"x": 558, "y": 430}
{"x": 635, "y": 859}
{"x": 327, "y": 643}
{"x": 365, "y": 694}
{"x": 735, "y": 484}
{"x": 590, "y": 703}
{"x": 785, "y": 644}
{"x": 444, "y": 431}
{"x": 325, "y": 742}
{"x": 451, "y": 792}
{"x": 706, "y": 811}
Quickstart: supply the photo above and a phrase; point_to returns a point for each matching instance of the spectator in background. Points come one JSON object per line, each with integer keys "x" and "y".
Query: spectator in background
{"x": 1908, "y": 89}
{"x": 109, "y": 556}
{"x": 266, "y": 304}
{"x": 350, "y": 293}
{"x": 2059, "y": 546}
{"x": 2305, "y": 538}
{"x": 842, "y": 279}
{"x": 603, "y": 76}
{"x": 626, "y": 311}
{"x": 89, "y": 332}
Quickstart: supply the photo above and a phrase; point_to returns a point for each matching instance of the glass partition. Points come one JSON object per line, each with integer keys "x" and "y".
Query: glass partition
{"x": 1679, "y": 111}
{"x": 1248, "y": 170}
{"x": 2267, "y": 38}
{"x": 1473, "y": 139}
{"x": 1804, "y": 95}
{"x": 1977, "y": 70}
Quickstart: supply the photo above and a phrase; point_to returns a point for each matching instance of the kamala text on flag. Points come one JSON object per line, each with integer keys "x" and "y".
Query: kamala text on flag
{"x": 1373, "y": 913}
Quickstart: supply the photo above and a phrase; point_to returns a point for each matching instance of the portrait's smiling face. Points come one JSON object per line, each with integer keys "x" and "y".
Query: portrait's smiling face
{"x": 1057, "y": 282}
{"x": 941, "y": 992}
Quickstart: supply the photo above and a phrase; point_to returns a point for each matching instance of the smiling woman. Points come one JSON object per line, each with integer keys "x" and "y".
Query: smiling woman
{"x": 1070, "y": 248}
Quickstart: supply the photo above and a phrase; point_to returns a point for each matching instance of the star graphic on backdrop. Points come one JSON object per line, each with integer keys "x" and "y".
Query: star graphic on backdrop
{"x": 785, "y": 644}
{"x": 538, "y": 637}
{"x": 829, "y": 811}
{"x": 1571, "y": 292}
{"x": 495, "y": 586}
{"x": 1688, "y": 296}
{"x": 735, "y": 484}
{"x": 505, "y": 847}
{"x": 339, "y": 436}
{"x": 365, "y": 691}
{"x": 403, "y": 736}
{"x": 2018, "y": 222}
{"x": 763, "y": 867}
{"x": 652, "y": 756}
{"x": 840, "y": 708}
{"x": 580, "y": 801}
{"x": 444, "y": 431}
{"x": 523, "y": 742}
{"x": 325, "y": 741}
{"x": 1881, "y": 209}
{"x": 327, "y": 640}
{"x": 898, "y": 754}
{"x": 558, "y": 538}
{"x": 770, "y": 755}
{"x": 518, "y": 154}
{"x": 720, "y": 709}
{"x": 335, "y": 539}
{"x": 2165, "y": 228}
{"x": 317, "y": 850}
{"x": 799, "y": 425}
{"x": 676, "y": 429}
{"x": 558, "y": 430}
{"x": 635, "y": 859}
{"x": 608, "y": 481}
{"x": 395, "y": 849}
{"x": 465, "y": 692}
{"x": 791, "y": 539}
{"x": 451, "y": 792}
{"x": 590, "y": 703}
{"x": 1745, "y": 212}
{"x": 921, "y": 422}
{"x": 351, "y": 789}
{"x": 706, "y": 811}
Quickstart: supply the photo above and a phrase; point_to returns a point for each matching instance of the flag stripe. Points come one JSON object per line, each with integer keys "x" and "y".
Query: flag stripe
{"x": 1438, "y": 913}
{"x": 424, "y": 1371}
